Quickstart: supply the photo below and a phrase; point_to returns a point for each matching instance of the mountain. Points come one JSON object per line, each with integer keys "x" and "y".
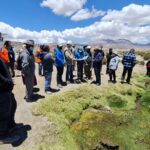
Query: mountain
{"x": 120, "y": 44}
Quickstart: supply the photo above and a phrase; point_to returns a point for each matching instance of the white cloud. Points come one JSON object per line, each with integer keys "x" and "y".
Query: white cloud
{"x": 132, "y": 15}
{"x": 64, "y": 7}
{"x": 115, "y": 28}
{"x": 84, "y": 14}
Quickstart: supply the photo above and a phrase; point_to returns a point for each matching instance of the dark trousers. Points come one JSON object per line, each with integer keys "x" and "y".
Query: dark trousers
{"x": 69, "y": 73}
{"x": 87, "y": 70}
{"x": 48, "y": 79}
{"x": 40, "y": 69}
{"x": 11, "y": 67}
{"x": 80, "y": 70}
{"x": 112, "y": 75}
{"x": 148, "y": 72}
{"x": 97, "y": 71}
{"x": 127, "y": 71}
{"x": 8, "y": 107}
{"x": 60, "y": 71}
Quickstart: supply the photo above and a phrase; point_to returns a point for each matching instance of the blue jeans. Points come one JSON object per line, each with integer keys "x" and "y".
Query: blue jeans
{"x": 69, "y": 74}
{"x": 40, "y": 68}
{"x": 48, "y": 78}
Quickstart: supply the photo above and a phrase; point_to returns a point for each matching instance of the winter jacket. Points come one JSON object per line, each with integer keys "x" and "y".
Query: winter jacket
{"x": 79, "y": 55}
{"x": 27, "y": 63}
{"x": 47, "y": 61}
{"x": 6, "y": 83}
{"x": 59, "y": 58}
{"x": 114, "y": 61}
{"x": 68, "y": 56}
{"x": 129, "y": 60}
{"x": 4, "y": 55}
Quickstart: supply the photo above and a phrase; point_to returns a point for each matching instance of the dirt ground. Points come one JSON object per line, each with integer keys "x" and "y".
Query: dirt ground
{"x": 24, "y": 115}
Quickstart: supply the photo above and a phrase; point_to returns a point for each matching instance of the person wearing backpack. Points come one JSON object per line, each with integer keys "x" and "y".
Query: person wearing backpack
{"x": 113, "y": 65}
{"x": 28, "y": 69}
{"x": 47, "y": 62}
{"x": 97, "y": 65}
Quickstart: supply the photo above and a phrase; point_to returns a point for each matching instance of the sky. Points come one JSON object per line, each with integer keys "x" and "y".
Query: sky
{"x": 59, "y": 21}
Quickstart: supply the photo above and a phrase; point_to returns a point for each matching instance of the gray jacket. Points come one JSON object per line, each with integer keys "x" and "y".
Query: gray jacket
{"x": 28, "y": 66}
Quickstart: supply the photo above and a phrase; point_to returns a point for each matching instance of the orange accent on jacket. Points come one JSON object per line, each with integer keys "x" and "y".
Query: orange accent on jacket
{"x": 4, "y": 55}
{"x": 37, "y": 58}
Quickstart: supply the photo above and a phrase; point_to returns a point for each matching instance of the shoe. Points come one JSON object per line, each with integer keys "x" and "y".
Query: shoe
{"x": 16, "y": 126}
{"x": 93, "y": 82}
{"x": 9, "y": 139}
{"x": 84, "y": 81}
{"x": 60, "y": 86}
{"x": 98, "y": 84}
{"x": 64, "y": 84}
{"x": 54, "y": 90}
{"x": 109, "y": 81}
{"x": 114, "y": 82}
{"x": 78, "y": 81}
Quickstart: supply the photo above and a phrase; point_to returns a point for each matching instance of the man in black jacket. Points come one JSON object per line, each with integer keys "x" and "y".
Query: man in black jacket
{"x": 7, "y": 105}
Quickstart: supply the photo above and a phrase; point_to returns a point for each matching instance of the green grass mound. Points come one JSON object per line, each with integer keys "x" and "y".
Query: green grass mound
{"x": 89, "y": 115}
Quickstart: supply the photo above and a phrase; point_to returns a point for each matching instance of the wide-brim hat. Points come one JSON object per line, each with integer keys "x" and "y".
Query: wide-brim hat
{"x": 29, "y": 42}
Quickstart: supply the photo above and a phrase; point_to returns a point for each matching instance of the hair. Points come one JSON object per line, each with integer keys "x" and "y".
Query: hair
{"x": 7, "y": 43}
{"x": 44, "y": 48}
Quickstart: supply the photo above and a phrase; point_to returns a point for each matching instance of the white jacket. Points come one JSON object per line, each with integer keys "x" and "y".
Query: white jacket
{"x": 113, "y": 65}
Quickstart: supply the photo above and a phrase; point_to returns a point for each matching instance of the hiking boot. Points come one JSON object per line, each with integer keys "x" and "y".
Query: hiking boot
{"x": 9, "y": 139}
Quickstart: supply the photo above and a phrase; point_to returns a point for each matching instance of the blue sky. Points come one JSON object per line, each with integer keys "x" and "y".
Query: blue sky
{"x": 29, "y": 15}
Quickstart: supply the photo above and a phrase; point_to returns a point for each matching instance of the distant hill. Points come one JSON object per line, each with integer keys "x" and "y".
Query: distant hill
{"x": 120, "y": 44}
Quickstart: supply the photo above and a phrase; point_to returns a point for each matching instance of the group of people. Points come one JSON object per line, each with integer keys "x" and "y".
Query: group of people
{"x": 71, "y": 56}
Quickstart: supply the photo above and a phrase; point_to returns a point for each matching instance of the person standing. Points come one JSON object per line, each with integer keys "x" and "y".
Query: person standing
{"x": 47, "y": 62}
{"x": 11, "y": 54}
{"x": 4, "y": 52}
{"x": 129, "y": 61}
{"x": 97, "y": 65}
{"x": 80, "y": 58}
{"x": 28, "y": 69}
{"x": 69, "y": 61}
{"x": 113, "y": 65}
{"x": 88, "y": 63}
{"x": 108, "y": 57}
{"x": 39, "y": 61}
{"x": 8, "y": 106}
{"x": 148, "y": 68}
{"x": 60, "y": 62}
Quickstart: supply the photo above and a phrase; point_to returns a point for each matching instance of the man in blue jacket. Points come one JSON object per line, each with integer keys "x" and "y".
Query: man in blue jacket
{"x": 80, "y": 57}
{"x": 60, "y": 62}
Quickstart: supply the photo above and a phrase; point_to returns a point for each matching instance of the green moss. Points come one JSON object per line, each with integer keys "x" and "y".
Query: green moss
{"x": 85, "y": 116}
